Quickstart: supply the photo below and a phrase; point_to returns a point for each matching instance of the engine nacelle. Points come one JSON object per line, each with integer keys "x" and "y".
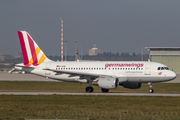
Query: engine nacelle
{"x": 132, "y": 85}
{"x": 108, "y": 82}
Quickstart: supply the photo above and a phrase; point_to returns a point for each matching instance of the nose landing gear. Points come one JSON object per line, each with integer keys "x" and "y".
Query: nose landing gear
{"x": 150, "y": 87}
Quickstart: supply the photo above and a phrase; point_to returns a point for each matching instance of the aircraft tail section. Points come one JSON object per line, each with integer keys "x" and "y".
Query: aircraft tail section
{"x": 32, "y": 53}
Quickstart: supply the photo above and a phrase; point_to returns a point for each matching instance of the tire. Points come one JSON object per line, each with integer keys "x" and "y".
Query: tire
{"x": 104, "y": 90}
{"x": 89, "y": 89}
{"x": 151, "y": 90}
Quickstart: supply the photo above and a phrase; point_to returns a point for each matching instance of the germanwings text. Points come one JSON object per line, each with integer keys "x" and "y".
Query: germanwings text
{"x": 137, "y": 65}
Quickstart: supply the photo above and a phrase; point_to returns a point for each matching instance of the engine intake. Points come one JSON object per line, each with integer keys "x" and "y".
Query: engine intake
{"x": 108, "y": 82}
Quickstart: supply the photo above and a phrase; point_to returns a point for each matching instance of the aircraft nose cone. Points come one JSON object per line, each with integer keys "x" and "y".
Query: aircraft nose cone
{"x": 173, "y": 75}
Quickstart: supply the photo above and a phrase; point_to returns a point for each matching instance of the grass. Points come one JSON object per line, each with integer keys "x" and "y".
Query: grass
{"x": 44, "y": 106}
{"x": 76, "y": 87}
{"x": 37, "y": 106}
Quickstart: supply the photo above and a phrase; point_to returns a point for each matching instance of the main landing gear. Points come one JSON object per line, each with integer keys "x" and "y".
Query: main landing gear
{"x": 104, "y": 90}
{"x": 150, "y": 87}
{"x": 89, "y": 89}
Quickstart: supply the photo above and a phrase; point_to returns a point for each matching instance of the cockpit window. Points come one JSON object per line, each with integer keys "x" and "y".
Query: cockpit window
{"x": 162, "y": 68}
{"x": 166, "y": 68}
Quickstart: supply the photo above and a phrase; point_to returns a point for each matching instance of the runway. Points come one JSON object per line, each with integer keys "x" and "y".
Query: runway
{"x": 84, "y": 93}
{"x": 4, "y": 76}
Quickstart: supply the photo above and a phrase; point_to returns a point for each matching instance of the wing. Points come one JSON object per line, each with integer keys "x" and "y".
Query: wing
{"x": 73, "y": 72}
{"x": 122, "y": 78}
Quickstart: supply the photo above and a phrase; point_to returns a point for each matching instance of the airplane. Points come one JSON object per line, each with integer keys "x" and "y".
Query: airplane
{"x": 106, "y": 74}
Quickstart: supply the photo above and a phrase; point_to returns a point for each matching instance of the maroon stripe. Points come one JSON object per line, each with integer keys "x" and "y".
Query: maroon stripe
{"x": 33, "y": 51}
{"x": 23, "y": 48}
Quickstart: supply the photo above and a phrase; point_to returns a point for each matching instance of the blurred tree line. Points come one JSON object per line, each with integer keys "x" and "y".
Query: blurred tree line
{"x": 105, "y": 56}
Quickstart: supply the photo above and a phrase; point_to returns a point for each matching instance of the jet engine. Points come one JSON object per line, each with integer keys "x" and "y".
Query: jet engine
{"x": 108, "y": 82}
{"x": 132, "y": 85}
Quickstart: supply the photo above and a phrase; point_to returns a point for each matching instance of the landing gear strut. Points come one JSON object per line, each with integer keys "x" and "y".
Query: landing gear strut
{"x": 150, "y": 87}
{"x": 89, "y": 89}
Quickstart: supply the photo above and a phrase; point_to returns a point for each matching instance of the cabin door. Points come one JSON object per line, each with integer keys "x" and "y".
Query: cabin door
{"x": 148, "y": 69}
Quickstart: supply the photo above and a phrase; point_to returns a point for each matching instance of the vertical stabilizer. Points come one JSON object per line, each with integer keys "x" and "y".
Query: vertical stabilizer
{"x": 32, "y": 54}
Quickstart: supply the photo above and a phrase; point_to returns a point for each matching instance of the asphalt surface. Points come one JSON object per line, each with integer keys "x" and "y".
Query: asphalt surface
{"x": 84, "y": 93}
{"x": 5, "y": 76}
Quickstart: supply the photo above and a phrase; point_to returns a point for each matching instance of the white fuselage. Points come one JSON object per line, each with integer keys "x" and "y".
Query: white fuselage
{"x": 125, "y": 71}
{"x": 106, "y": 74}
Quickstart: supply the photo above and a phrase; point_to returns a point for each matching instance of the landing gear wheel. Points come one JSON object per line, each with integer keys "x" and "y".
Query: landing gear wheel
{"x": 89, "y": 89}
{"x": 151, "y": 90}
{"x": 104, "y": 90}
{"x": 150, "y": 87}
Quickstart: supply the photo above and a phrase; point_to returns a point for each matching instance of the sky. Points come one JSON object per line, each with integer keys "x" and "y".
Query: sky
{"x": 113, "y": 25}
